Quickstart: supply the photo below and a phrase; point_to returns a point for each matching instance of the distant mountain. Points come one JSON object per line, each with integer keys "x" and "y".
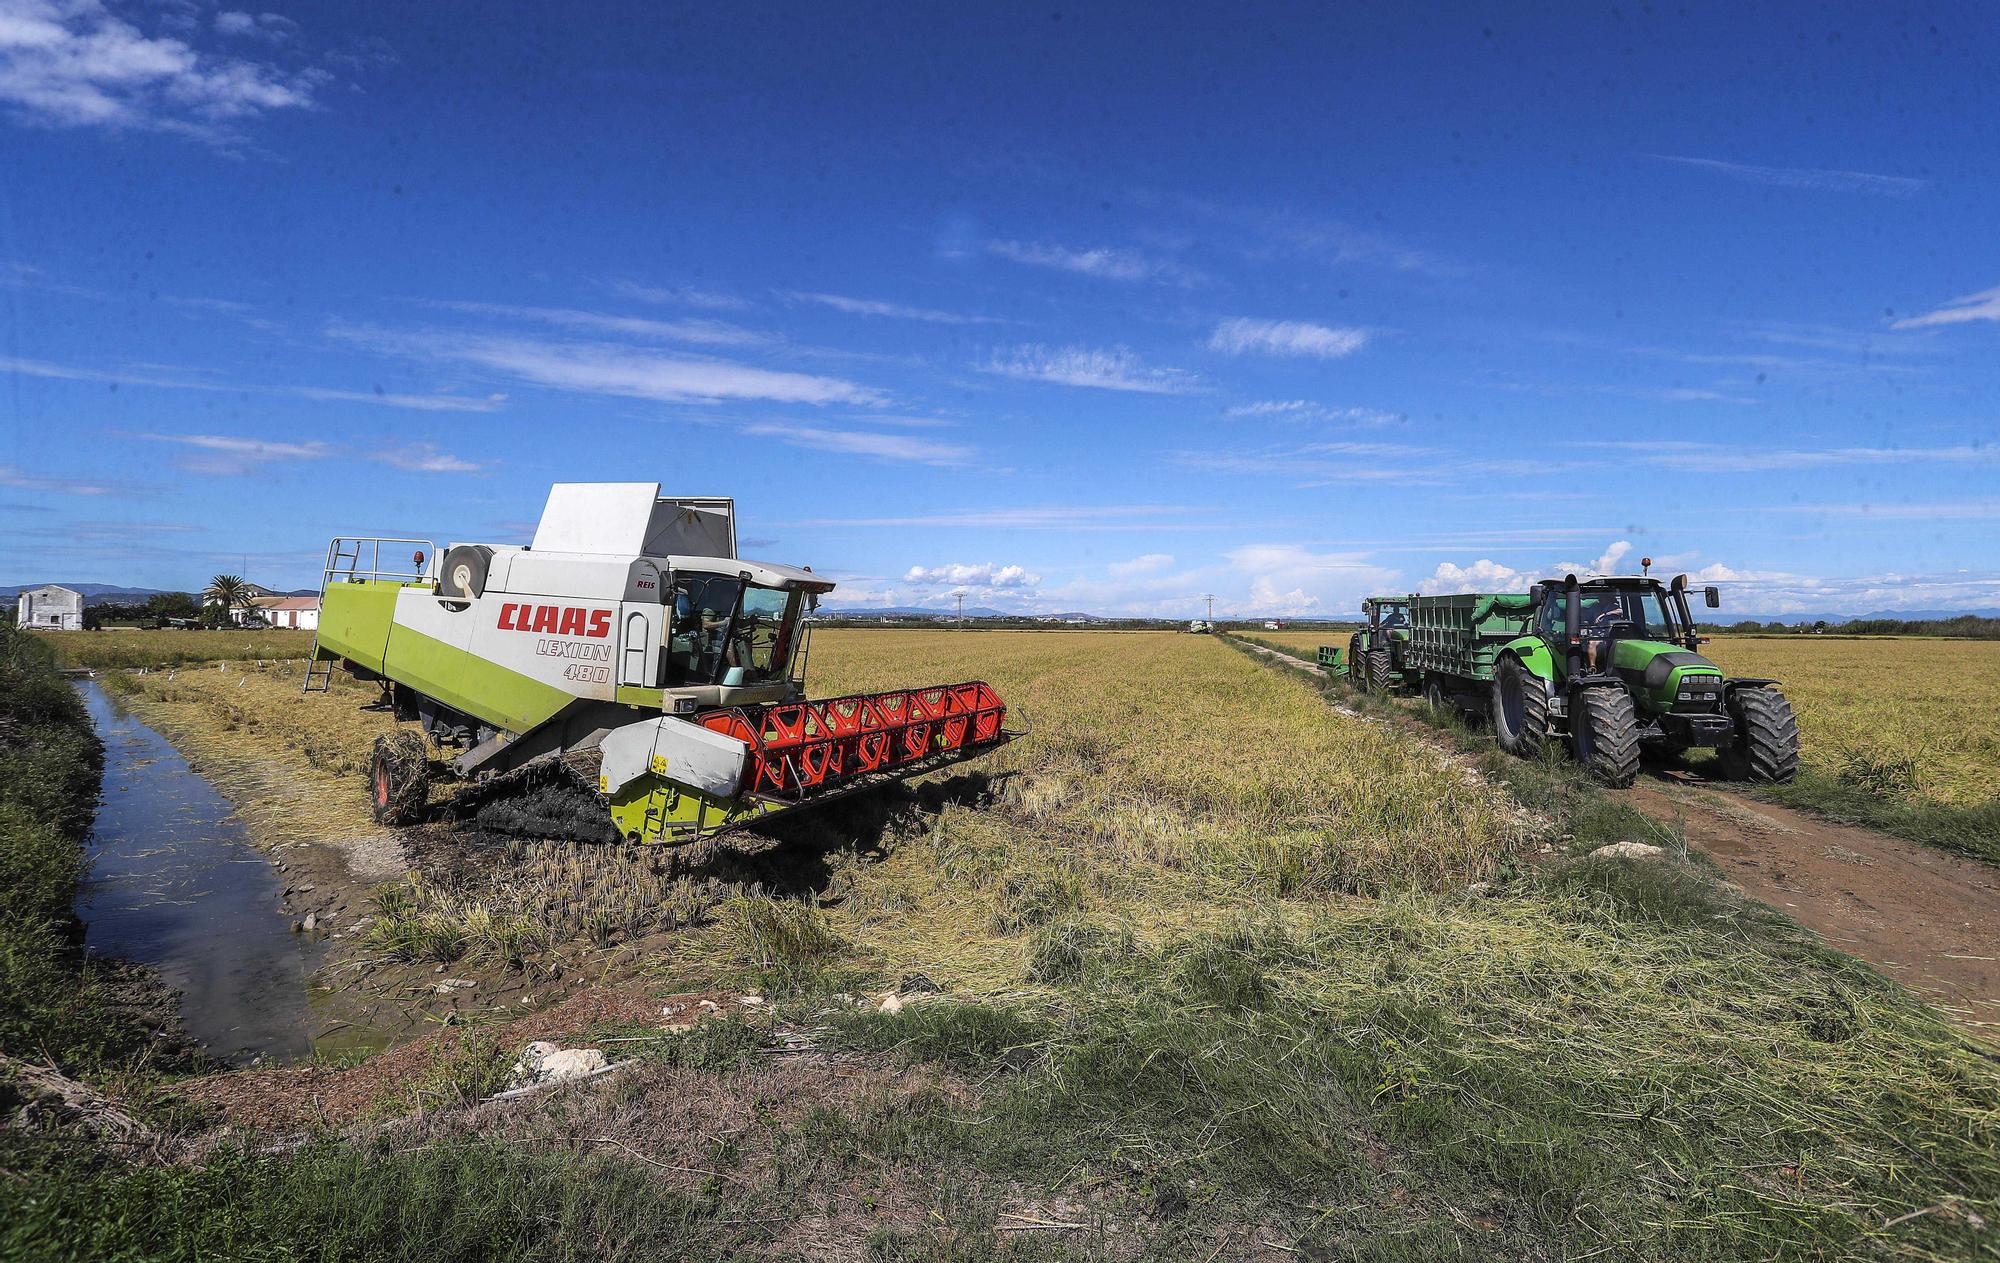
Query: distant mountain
{"x": 908, "y": 611}
{"x": 92, "y": 592}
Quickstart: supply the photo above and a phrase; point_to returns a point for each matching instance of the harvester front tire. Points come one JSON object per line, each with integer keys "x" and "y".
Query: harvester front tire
{"x": 1606, "y": 735}
{"x": 1767, "y": 737}
{"x": 399, "y": 780}
{"x": 1520, "y": 710}
{"x": 1381, "y": 672}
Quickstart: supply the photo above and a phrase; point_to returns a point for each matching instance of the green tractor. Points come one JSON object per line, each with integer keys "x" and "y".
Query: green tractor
{"x": 1375, "y": 654}
{"x": 1609, "y": 663}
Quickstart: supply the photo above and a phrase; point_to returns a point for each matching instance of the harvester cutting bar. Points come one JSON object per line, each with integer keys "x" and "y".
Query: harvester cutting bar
{"x": 799, "y": 748}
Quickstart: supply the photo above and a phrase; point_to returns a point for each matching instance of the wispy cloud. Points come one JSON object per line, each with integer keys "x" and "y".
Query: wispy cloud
{"x": 1091, "y": 517}
{"x": 21, "y": 480}
{"x": 73, "y": 63}
{"x": 1241, "y": 336}
{"x": 1149, "y": 563}
{"x": 983, "y": 574}
{"x": 124, "y": 377}
{"x": 598, "y": 368}
{"x": 1688, "y": 456}
{"x": 428, "y": 458}
{"x": 1305, "y": 410}
{"x": 892, "y": 447}
{"x": 678, "y": 295}
{"x": 896, "y": 311}
{"x": 1116, "y": 369}
{"x": 1985, "y": 305}
{"x": 1830, "y": 180}
{"x": 696, "y": 332}
{"x": 227, "y": 454}
{"x": 1101, "y": 262}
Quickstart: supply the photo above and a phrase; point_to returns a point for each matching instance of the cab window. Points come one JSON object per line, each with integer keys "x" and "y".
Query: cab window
{"x": 698, "y": 634}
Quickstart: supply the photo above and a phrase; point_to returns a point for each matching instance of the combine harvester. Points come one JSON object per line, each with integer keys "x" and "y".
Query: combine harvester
{"x": 626, "y": 676}
{"x": 1609, "y": 664}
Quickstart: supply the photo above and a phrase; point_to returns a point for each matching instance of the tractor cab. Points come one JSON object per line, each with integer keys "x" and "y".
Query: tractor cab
{"x": 735, "y": 630}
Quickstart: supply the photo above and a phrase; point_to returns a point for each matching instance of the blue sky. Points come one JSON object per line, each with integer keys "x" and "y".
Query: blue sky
{"x": 1073, "y": 310}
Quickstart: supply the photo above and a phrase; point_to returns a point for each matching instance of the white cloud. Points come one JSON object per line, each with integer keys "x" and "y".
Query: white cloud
{"x": 389, "y": 399}
{"x": 21, "y": 480}
{"x": 1097, "y": 517}
{"x": 1103, "y": 263}
{"x": 264, "y": 26}
{"x": 1715, "y": 458}
{"x": 426, "y": 458}
{"x": 870, "y": 307}
{"x": 72, "y": 63}
{"x": 229, "y": 454}
{"x": 1116, "y": 369}
{"x": 1148, "y": 564}
{"x": 1294, "y": 338}
{"x": 697, "y": 332}
{"x": 598, "y": 368}
{"x": 1294, "y": 580}
{"x": 419, "y": 403}
{"x": 897, "y": 447}
{"x": 1985, "y": 305}
{"x": 1823, "y": 178}
{"x": 985, "y": 574}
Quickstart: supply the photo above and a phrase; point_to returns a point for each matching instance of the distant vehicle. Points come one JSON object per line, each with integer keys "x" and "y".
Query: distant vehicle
{"x": 1201, "y": 627}
{"x": 1272, "y": 624}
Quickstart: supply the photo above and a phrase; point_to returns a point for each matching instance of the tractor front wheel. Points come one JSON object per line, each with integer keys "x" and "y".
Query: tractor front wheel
{"x": 1357, "y": 663}
{"x": 1520, "y": 710}
{"x": 1766, "y": 747}
{"x": 399, "y": 778}
{"x": 1605, "y": 725}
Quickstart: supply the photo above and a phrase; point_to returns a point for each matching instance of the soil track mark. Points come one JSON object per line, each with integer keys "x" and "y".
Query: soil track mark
{"x": 1926, "y": 918}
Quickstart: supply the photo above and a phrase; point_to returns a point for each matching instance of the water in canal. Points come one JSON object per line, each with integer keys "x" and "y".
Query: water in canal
{"x": 175, "y": 883}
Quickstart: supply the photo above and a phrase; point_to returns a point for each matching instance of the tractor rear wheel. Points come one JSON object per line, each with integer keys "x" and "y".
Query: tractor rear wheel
{"x": 1605, "y": 726}
{"x": 1381, "y": 672}
{"x": 1766, "y": 747}
{"x": 399, "y": 778}
{"x": 1520, "y": 710}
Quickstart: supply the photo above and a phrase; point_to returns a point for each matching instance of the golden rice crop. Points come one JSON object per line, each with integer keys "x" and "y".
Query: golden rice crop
{"x": 1918, "y": 715}
{"x": 113, "y": 650}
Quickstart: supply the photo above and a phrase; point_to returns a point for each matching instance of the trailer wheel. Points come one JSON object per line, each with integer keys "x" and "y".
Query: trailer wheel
{"x": 1520, "y": 710}
{"x": 399, "y": 778}
{"x": 1606, "y": 735}
{"x": 1440, "y": 701}
{"x": 1766, "y": 747}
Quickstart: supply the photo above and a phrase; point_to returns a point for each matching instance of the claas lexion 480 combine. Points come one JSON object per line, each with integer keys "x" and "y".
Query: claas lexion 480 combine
{"x": 626, "y": 676}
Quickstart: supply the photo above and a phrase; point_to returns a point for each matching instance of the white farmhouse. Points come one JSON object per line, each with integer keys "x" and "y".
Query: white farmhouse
{"x": 51, "y": 608}
{"x": 284, "y": 611}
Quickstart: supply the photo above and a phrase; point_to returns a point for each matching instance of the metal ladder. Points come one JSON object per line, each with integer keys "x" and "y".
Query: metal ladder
{"x": 341, "y": 554}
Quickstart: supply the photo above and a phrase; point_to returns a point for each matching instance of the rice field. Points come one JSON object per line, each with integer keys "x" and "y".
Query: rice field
{"x": 1228, "y": 930}
{"x": 127, "y": 650}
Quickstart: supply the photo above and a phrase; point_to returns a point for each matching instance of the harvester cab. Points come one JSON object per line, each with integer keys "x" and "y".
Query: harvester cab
{"x": 1376, "y": 653}
{"x": 1615, "y": 662}
{"x": 626, "y": 675}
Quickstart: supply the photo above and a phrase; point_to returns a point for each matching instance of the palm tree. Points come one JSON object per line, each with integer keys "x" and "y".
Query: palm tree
{"x": 226, "y": 593}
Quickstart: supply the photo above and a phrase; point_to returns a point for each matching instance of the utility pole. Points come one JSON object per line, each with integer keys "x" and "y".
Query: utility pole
{"x": 1210, "y": 598}
{"x": 961, "y": 609}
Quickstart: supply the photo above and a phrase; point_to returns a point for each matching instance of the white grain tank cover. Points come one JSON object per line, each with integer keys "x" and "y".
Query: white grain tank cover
{"x": 631, "y": 519}
{"x": 684, "y": 753}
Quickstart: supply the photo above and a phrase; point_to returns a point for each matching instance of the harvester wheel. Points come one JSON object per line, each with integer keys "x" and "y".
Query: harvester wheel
{"x": 1605, "y": 725}
{"x": 1767, "y": 737}
{"x": 1520, "y": 710}
{"x": 1381, "y": 670}
{"x": 399, "y": 778}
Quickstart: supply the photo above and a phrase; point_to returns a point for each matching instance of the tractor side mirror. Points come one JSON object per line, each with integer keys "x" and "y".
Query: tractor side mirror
{"x": 1712, "y": 597}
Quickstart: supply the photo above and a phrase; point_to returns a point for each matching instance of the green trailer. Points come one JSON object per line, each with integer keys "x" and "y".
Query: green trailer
{"x": 1609, "y": 666}
{"x": 1333, "y": 659}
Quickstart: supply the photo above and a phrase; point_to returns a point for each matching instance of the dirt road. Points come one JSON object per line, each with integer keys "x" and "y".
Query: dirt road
{"x": 1926, "y": 918}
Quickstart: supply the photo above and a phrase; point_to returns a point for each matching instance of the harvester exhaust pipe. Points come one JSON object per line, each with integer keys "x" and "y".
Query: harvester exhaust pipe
{"x": 1573, "y": 625}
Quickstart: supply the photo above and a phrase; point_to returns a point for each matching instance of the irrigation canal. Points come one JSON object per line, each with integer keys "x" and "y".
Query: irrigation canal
{"x": 175, "y": 883}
